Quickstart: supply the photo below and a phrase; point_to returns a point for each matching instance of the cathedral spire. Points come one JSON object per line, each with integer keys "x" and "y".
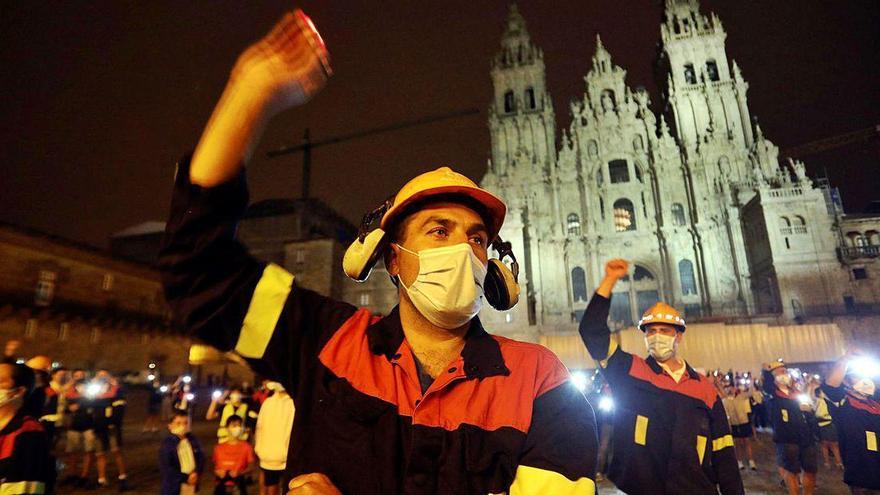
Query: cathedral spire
{"x": 516, "y": 24}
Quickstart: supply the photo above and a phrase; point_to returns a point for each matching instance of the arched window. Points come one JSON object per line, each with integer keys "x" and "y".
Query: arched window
{"x": 678, "y": 218}
{"x": 574, "y": 224}
{"x": 638, "y": 143}
{"x": 800, "y": 225}
{"x": 608, "y": 101}
{"x": 624, "y": 215}
{"x": 578, "y": 284}
{"x": 530, "y": 98}
{"x": 618, "y": 171}
{"x": 642, "y": 273}
{"x": 509, "y": 102}
{"x": 688, "y": 281}
{"x": 873, "y": 237}
{"x": 600, "y": 179}
{"x": 638, "y": 171}
{"x": 593, "y": 148}
{"x": 690, "y": 76}
{"x": 724, "y": 166}
{"x": 712, "y": 70}
{"x": 860, "y": 241}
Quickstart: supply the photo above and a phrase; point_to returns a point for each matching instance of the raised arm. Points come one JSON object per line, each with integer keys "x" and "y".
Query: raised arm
{"x": 594, "y": 324}
{"x": 284, "y": 69}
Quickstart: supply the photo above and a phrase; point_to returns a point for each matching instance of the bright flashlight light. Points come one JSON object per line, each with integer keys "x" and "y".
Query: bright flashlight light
{"x": 151, "y": 366}
{"x": 190, "y": 396}
{"x": 19, "y": 361}
{"x": 93, "y": 389}
{"x": 606, "y": 404}
{"x": 817, "y": 376}
{"x": 216, "y": 395}
{"x": 865, "y": 367}
{"x": 187, "y": 379}
{"x": 579, "y": 379}
{"x": 151, "y": 377}
{"x": 163, "y": 388}
{"x": 804, "y": 399}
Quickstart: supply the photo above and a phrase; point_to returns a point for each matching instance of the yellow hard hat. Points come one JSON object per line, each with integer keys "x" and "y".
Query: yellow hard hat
{"x": 662, "y": 313}
{"x": 444, "y": 180}
{"x": 776, "y": 364}
{"x": 41, "y": 362}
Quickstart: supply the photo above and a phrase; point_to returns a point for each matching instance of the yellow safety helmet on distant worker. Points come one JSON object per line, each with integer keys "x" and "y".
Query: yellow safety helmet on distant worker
{"x": 500, "y": 289}
{"x": 662, "y": 313}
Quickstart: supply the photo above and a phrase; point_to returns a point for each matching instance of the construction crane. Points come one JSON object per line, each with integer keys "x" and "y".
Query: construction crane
{"x": 308, "y": 145}
{"x": 833, "y": 142}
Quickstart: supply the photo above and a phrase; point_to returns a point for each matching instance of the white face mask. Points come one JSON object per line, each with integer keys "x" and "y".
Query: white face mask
{"x": 784, "y": 379}
{"x": 178, "y": 430}
{"x": 448, "y": 290}
{"x": 274, "y": 386}
{"x": 235, "y": 398}
{"x": 8, "y": 395}
{"x": 662, "y": 347}
{"x": 235, "y": 431}
{"x": 864, "y": 386}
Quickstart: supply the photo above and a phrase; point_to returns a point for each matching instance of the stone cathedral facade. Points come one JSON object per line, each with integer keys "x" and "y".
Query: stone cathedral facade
{"x": 694, "y": 196}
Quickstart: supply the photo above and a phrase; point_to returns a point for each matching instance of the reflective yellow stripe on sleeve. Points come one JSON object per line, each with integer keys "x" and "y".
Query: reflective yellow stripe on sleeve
{"x": 264, "y": 310}
{"x": 701, "y": 447}
{"x": 641, "y": 434}
{"x": 784, "y": 415}
{"x": 871, "y": 441}
{"x": 722, "y": 442}
{"x": 530, "y": 480}
{"x": 612, "y": 348}
{"x": 23, "y": 488}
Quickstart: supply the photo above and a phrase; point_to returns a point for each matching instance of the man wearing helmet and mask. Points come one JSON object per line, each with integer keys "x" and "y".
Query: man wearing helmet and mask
{"x": 423, "y": 400}
{"x": 792, "y": 420}
{"x": 671, "y": 434}
{"x": 851, "y": 388}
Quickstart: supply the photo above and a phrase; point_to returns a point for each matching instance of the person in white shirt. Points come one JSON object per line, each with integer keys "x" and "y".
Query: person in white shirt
{"x": 272, "y": 437}
{"x": 738, "y": 406}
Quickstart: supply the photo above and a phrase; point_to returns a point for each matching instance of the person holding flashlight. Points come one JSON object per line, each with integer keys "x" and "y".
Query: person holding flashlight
{"x": 792, "y": 419}
{"x": 671, "y": 434}
{"x": 233, "y": 404}
{"x": 423, "y": 400}
{"x": 851, "y": 391}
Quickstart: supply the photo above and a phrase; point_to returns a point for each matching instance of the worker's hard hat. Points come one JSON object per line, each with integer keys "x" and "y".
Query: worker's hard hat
{"x": 662, "y": 313}
{"x": 776, "y": 364}
{"x": 41, "y": 363}
{"x": 444, "y": 181}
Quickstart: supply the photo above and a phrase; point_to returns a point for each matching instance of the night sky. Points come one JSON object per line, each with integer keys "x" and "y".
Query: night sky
{"x": 101, "y": 98}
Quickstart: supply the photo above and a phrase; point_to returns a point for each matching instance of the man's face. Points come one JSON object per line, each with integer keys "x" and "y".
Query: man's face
{"x": 60, "y": 376}
{"x": 79, "y": 375}
{"x": 179, "y": 422}
{"x": 437, "y": 225}
{"x": 7, "y": 383}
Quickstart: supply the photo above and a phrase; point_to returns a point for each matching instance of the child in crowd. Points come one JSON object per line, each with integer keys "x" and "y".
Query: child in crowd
{"x": 232, "y": 458}
{"x": 180, "y": 458}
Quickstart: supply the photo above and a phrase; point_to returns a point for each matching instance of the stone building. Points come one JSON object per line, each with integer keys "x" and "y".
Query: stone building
{"x": 694, "y": 195}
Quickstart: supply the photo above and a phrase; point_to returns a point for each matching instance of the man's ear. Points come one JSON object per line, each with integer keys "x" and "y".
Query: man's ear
{"x": 679, "y": 337}
{"x": 391, "y": 261}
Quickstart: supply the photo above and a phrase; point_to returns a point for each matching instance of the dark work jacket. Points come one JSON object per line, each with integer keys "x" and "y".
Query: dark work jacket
{"x": 503, "y": 417}
{"x": 857, "y": 420}
{"x": 169, "y": 463}
{"x": 669, "y": 438}
{"x": 790, "y": 424}
{"x": 26, "y": 466}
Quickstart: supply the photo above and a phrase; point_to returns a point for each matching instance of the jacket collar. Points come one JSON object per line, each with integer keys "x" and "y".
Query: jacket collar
{"x": 481, "y": 354}
{"x": 656, "y": 368}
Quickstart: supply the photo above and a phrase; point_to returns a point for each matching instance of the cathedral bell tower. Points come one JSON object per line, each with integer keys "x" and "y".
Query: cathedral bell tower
{"x": 706, "y": 95}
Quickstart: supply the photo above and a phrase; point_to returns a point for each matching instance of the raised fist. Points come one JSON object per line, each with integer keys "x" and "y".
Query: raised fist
{"x": 616, "y": 268}
{"x": 312, "y": 484}
{"x": 289, "y": 65}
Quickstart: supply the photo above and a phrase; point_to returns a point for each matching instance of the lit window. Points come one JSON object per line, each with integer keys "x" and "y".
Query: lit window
{"x": 365, "y": 299}
{"x": 624, "y": 215}
{"x": 578, "y": 284}
{"x": 574, "y": 225}
{"x": 107, "y": 283}
{"x": 300, "y": 256}
{"x": 45, "y": 288}
{"x": 688, "y": 281}
{"x": 618, "y": 171}
{"x": 95, "y": 336}
{"x": 678, "y": 218}
{"x": 30, "y": 328}
{"x": 63, "y": 331}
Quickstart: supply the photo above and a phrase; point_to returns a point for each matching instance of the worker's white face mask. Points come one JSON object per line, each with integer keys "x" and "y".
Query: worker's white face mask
{"x": 864, "y": 386}
{"x": 783, "y": 379}
{"x": 662, "y": 347}
{"x": 235, "y": 431}
{"x": 235, "y": 398}
{"x": 448, "y": 290}
{"x": 274, "y": 386}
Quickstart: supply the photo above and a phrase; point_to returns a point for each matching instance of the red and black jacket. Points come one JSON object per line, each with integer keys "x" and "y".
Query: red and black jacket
{"x": 857, "y": 420}
{"x": 503, "y": 417}
{"x": 26, "y": 467}
{"x": 669, "y": 437}
{"x": 790, "y": 423}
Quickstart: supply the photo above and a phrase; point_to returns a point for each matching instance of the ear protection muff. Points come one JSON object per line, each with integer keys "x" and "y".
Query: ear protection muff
{"x": 367, "y": 248}
{"x": 501, "y": 287}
